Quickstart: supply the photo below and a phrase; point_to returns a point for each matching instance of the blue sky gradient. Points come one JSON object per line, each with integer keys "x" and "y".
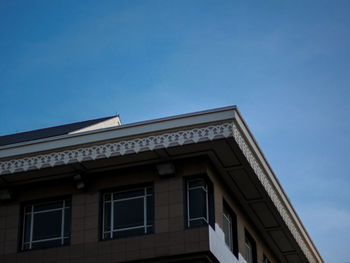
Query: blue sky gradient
{"x": 286, "y": 64}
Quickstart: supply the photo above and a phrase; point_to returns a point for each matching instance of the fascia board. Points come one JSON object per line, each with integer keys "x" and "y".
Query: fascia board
{"x": 119, "y": 132}
{"x": 276, "y": 184}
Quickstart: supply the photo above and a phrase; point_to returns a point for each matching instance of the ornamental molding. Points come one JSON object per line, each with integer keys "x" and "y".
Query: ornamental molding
{"x": 118, "y": 148}
{"x": 152, "y": 142}
{"x": 276, "y": 199}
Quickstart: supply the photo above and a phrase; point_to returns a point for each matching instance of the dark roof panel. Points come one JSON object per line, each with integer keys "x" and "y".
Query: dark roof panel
{"x": 48, "y": 132}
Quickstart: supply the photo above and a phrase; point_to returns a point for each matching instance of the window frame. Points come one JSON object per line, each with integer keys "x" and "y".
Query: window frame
{"x": 233, "y": 229}
{"x": 208, "y": 189}
{"x": 65, "y": 239}
{"x": 252, "y": 243}
{"x": 266, "y": 259}
{"x": 126, "y": 189}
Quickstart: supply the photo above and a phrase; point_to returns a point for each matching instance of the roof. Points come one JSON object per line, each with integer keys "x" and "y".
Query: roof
{"x": 49, "y": 132}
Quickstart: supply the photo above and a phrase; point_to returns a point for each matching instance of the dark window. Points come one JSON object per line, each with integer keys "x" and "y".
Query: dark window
{"x": 266, "y": 260}
{"x": 46, "y": 224}
{"x": 250, "y": 248}
{"x": 128, "y": 213}
{"x": 199, "y": 202}
{"x": 230, "y": 229}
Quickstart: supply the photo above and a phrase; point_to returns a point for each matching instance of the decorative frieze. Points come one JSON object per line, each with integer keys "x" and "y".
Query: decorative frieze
{"x": 276, "y": 199}
{"x": 117, "y": 148}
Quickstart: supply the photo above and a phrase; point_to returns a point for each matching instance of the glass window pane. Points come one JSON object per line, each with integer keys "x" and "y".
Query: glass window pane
{"x": 47, "y": 225}
{"x": 107, "y": 217}
{"x": 67, "y": 222}
{"x": 266, "y": 260}
{"x": 68, "y": 203}
{"x": 47, "y": 244}
{"x": 48, "y": 206}
{"x": 197, "y": 182}
{"x": 28, "y": 209}
{"x": 128, "y": 233}
{"x": 107, "y": 197}
{"x": 128, "y": 213}
{"x": 150, "y": 210}
{"x": 197, "y": 222}
{"x": 249, "y": 252}
{"x": 27, "y": 222}
{"x": 197, "y": 203}
{"x": 129, "y": 194}
{"x": 149, "y": 190}
{"x": 226, "y": 230}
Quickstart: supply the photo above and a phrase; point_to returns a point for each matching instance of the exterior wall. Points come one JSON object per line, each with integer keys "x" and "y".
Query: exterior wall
{"x": 170, "y": 237}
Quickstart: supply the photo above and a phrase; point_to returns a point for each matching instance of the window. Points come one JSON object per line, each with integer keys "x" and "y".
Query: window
{"x": 266, "y": 260}
{"x": 128, "y": 213}
{"x": 199, "y": 202}
{"x": 230, "y": 229}
{"x": 249, "y": 251}
{"x": 250, "y": 248}
{"x": 46, "y": 224}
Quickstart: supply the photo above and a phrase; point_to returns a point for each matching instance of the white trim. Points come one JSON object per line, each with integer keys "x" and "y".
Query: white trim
{"x": 198, "y": 187}
{"x": 47, "y": 239}
{"x": 199, "y": 218}
{"x": 62, "y": 237}
{"x": 129, "y": 228}
{"x": 117, "y": 148}
{"x": 119, "y": 132}
{"x": 218, "y": 247}
{"x": 249, "y": 251}
{"x": 130, "y": 198}
{"x": 228, "y": 218}
{"x": 45, "y": 211}
{"x": 111, "y": 202}
{"x": 205, "y": 190}
{"x": 275, "y": 192}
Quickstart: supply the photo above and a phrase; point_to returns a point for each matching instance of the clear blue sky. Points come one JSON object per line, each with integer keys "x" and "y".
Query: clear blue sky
{"x": 286, "y": 64}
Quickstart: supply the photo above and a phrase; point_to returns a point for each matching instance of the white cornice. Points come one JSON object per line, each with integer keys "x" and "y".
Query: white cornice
{"x": 117, "y": 133}
{"x": 277, "y": 196}
{"x": 110, "y": 149}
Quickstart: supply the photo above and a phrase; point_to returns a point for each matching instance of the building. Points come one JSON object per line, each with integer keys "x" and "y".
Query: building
{"x": 188, "y": 188}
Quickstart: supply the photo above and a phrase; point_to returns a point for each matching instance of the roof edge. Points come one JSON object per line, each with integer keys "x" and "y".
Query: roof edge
{"x": 266, "y": 166}
{"x": 93, "y": 136}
